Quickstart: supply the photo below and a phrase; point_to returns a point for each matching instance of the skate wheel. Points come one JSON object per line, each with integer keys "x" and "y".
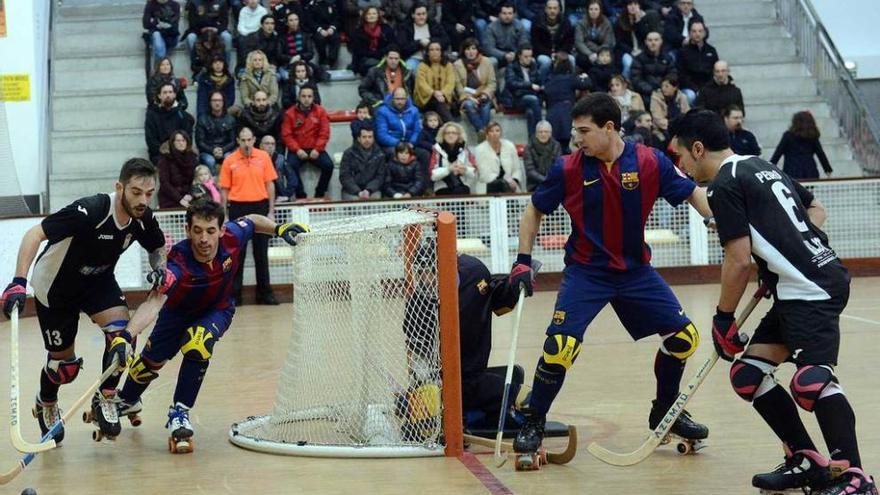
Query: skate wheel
{"x": 528, "y": 462}
{"x": 97, "y": 435}
{"x": 665, "y": 440}
{"x": 85, "y": 417}
{"x": 134, "y": 419}
{"x": 172, "y": 446}
{"x": 683, "y": 448}
{"x": 542, "y": 456}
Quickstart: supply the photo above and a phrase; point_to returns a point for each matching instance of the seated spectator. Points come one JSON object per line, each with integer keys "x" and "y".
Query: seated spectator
{"x": 283, "y": 8}
{"x": 797, "y": 147}
{"x": 540, "y": 154}
{"x": 249, "y": 17}
{"x": 207, "y": 47}
{"x": 720, "y": 93}
{"x": 696, "y": 62}
{"x": 363, "y": 168}
{"x": 363, "y": 118}
{"x": 523, "y": 88}
{"x": 306, "y": 132}
{"x": 260, "y": 117}
{"x": 457, "y": 19}
{"x": 485, "y": 12}
{"x": 435, "y": 82}
{"x": 628, "y": 100}
{"x": 208, "y": 15}
{"x": 203, "y": 186}
{"x": 476, "y": 83}
{"x": 551, "y": 33}
{"x": 428, "y": 135}
{"x": 560, "y": 93}
{"x": 498, "y": 164}
{"x": 324, "y": 19}
{"x": 369, "y": 41}
{"x": 403, "y": 176}
{"x": 640, "y": 129}
{"x": 302, "y": 77}
{"x": 163, "y": 119}
{"x": 650, "y": 67}
{"x": 399, "y": 12}
{"x": 677, "y": 24}
{"x": 216, "y": 77}
{"x": 633, "y": 26}
{"x": 742, "y": 142}
{"x": 258, "y": 76}
{"x": 397, "y": 120}
{"x": 160, "y": 20}
{"x": 267, "y": 41}
{"x": 288, "y": 179}
{"x": 177, "y": 163}
{"x": 592, "y": 34}
{"x": 602, "y": 71}
{"x": 215, "y": 132}
{"x": 452, "y": 166}
{"x": 382, "y": 79}
{"x": 413, "y": 36}
{"x": 164, "y": 74}
{"x": 296, "y": 46}
{"x": 504, "y": 37}
{"x": 668, "y": 102}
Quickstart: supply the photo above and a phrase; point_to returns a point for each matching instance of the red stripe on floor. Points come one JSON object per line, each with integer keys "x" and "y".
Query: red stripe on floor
{"x": 478, "y": 469}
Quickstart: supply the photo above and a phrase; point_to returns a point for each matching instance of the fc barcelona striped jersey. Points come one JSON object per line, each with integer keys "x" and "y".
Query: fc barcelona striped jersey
{"x": 610, "y": 203}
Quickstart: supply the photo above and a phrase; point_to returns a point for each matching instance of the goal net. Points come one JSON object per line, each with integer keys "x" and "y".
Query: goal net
{"x": 372, "y": 367}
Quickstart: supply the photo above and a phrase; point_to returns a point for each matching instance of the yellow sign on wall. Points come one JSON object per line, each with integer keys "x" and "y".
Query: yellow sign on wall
{"x": 15, "y": 87}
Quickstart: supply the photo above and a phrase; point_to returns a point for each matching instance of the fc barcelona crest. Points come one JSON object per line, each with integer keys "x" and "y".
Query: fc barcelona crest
{"x": 558, "y": 317}
{"x": 629, "y": 180}
{"x": 227, "y": 264}
{"x": 483, "y": 287}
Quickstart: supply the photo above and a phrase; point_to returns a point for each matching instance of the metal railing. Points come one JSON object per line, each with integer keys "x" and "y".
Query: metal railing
{"x": 835, "y": 82}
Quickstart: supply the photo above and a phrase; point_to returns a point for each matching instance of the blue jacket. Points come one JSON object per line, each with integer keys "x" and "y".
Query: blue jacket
{"x": 393, "y": 126}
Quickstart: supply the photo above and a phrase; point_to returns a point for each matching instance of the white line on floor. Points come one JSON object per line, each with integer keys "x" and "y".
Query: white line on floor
{"x": 859, "y": 318}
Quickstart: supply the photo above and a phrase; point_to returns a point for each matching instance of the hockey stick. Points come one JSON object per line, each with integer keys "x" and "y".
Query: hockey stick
{"x": 500, "y": 458}
{"x": 563, "y": 457}
{"x": 14, "y": 420}
{"x": 659, "y": 433}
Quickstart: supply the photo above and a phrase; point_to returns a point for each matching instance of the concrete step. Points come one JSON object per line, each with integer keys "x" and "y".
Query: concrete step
{"x": 739, "y": 11}
{"x": 99, "y": 119}
{"x": 99, "y": 81}
{"x": 735, "y": 50}
{"x": 827, "y": 126}
{"x": 763, "y": 71}
{"x": 75, "y": 10}
{"x": 339, "y": 95}
{"x": 64, "y": 189}
{"x": 837, "y": 149}
{"x": 772, "y": 87}
{"x": 119, "y": 24}
{"x": 80, "y": 101}
{"x": 131, "y": 140}
{"x": 732, "y": 33}
{"x": 90, "y": 163}
{"x": 756, "y": 112}
{"x": 740, "y": 57}
{"x": 99, "y": 44}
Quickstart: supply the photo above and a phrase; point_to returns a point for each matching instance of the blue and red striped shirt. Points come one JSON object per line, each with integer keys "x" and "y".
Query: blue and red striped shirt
{"x": 610, "y": 206}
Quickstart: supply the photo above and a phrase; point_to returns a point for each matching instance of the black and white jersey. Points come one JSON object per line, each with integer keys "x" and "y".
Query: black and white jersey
{"x": 86, "y": 241}
{"x": 751, "y": 197}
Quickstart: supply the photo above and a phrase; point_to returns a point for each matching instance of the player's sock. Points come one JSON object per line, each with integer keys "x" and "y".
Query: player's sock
{"x": 545, "y": 387}
{"x": 668, "y": 370}
{"x": 132, "y": 391}
{"x": 838, "y": 423}
{"x": 779, "y": 411}
{"x": 189, "y": 381}
{"x": 48, "y": 389}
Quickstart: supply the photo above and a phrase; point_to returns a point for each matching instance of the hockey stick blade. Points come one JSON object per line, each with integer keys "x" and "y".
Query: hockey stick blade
{"x": 659, "y": 433}
{"x": 15, "y": 436}
{"x": 563, "y": 457}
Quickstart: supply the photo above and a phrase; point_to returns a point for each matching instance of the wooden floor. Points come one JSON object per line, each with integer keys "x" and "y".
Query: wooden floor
{"x": 607, "y": 395}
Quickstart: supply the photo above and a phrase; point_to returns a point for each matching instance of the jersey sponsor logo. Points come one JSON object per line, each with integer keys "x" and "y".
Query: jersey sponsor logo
{"x": 93, "y": 270}
{"x": 82, "y": 209}
{"x": 483, "y": 286}
{"x": 588, "y": 183}
{"x": 629, "y": 180}
{"x": 106, "y": 237}
{"x": 227, "y": 264}
{"x": 558, "y": 317}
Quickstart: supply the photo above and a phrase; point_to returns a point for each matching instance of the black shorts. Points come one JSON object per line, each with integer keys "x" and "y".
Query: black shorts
{"x": 809, "y": 329}
{"x": 59, "y": 321}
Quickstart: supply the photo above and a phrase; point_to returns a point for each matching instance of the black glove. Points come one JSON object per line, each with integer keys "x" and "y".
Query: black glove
{"x": 14, "y": 295}
{"x": 521, "y": 275}
{"x": 288, "y": 231}
{"x": 728, "y": 340}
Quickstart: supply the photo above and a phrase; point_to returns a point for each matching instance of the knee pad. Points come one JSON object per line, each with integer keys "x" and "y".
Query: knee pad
{"x": 141, "y": 371}
{"x": 197, "y": 343}
{"x": 64, "y": 371}
{"x": 682, "y": 344}
{"x": 808, "y": 383}
{"x": 560, "y": 352}
{"x": 752, "y": 377}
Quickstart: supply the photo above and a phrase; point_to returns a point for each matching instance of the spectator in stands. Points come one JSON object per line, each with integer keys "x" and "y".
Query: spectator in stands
{"x": 540, "y": 154}
{"x": 296, "y": 46}
{"x": 505, "y": 36}
{"x": 602, "y": 71}
{"x": 177, "y": 163}
{"x": 403, "y": 176}
{"x": 284, "y": 8}
{"x": 742, "y": 142}
{"x": 668, "y": 102}
{"x": 323, "y": 16}
{"x": 696, "y": 62}
{"x": 628, "y": 100}
{"x": 160, "y": 20}
{"x": 216, "y": 77}
{"x": 258, "y": 76}
{"x": 499, "y": 167}
{"x": 720, "y": 93}
{"x": 560, "y": 93}
{"x": 591, "y": 34}
{"x": 523, "y": 88}
{"x": 260, "y": 117}
{"x": 452, "y": 166}
{"x": 457, "y": 19}
{"x": 302, "y": 77}
{"x": 163, "y": 119}
{"x": 203, "y": 185}
{"x": 306, "y": 132}
{"x": 288, "y": 180}
{"x": 207, "y": 47}
{"x": 677, "y": 24}
{"x": 369, "y": 41}
{"x": 164, "y": 74}
{"x": 551, "y": 33}
{"x": 797, "y": 147}
{"x": 397, "y": 120}
{"x": 413, "y": 37}
{"x": 363, "y": 118}
{"x": 650, "y": 67}
{"x": 267, "y": 41}
{"x": 428, "y": 135}
{"x": 382, "y": 79}
{"x": 399, "y": 12}
{"x": 640, "y": 129}
{"x": 485, "y": 12}
{"x": 208, "y": 15}
{"x": 215, "y": 132}
{"x": 362, "y": 169}
{"x": 476, "y": 83}
{"x": 633, "y": 26}
{"x": 247, "y": 185}
{"x": 250, "y": 16}
{"x": 435, "y": 82}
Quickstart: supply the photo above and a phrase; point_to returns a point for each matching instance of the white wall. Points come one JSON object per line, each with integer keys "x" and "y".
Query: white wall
{"x": 851, "y": 25}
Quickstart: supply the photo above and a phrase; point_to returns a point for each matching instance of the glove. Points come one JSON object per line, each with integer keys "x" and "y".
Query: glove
{"x": 521, "y": 275}
{"x": 14, "y": 295}
{"x": 288, "y": 231}
{"x": 120, "y": 350}
{"x": 161, "y": 279}
{"x": 728, "y": 340}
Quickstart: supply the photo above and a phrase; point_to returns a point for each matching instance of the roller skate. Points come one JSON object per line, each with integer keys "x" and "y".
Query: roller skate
{"x": 47, "y": 414}
{"x": 801, "y": 469}
{"x": 180, "y": 441}
{"x": 131, "y": 411}
{"x": 689, "y": 434}
{"x": 104, "y": 415}
{"x": 853, "y": 481}
{"x": 530, "y": 455}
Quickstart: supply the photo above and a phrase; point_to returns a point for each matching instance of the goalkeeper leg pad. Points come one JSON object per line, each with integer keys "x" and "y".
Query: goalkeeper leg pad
{"x": 197, "y": 343}
{"x": 752, "y": 377}
{"x": 682, "y": 344}
{"x": 64, "y": 371}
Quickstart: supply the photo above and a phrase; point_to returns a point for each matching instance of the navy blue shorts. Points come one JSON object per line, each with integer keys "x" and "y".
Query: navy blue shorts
{"x": 640, "y": 297}
{"x": 168, "y": 334}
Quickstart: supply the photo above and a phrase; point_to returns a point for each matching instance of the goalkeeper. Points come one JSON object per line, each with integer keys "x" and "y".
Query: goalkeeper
{"x": 196, "y": 307}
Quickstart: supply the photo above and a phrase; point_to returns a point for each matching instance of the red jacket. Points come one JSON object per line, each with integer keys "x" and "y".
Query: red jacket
{"x": 301, "y": 131}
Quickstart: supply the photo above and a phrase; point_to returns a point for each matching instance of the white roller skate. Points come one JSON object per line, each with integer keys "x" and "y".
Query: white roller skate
{"x": 181, "y": 439}
{"x": 47, "y": 414}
